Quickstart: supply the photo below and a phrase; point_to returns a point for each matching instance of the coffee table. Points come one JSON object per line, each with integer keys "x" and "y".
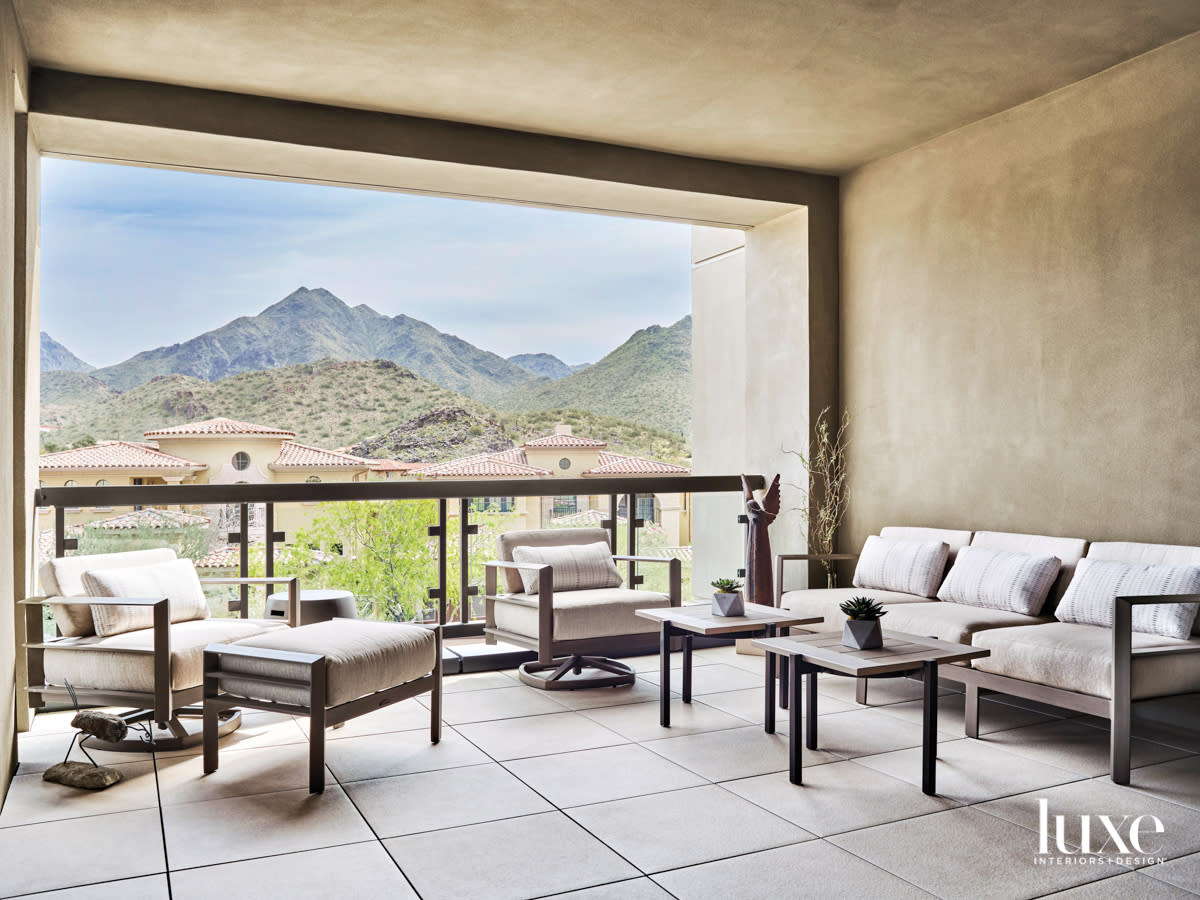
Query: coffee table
{"x": 900, "y": 654}
{"x": 687, "y": 621}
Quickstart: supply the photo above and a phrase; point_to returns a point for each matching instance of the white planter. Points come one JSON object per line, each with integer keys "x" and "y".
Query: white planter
{"x": 728, "y": 604}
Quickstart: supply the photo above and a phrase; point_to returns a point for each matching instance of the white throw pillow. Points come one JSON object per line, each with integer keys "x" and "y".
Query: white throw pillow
{"x": 998, "y": 579}
{"x": 907, "y": 567}
{"x": 1089, "y": 597}
{"x": 177, "y": 581}
{"x": 577, "y": 567}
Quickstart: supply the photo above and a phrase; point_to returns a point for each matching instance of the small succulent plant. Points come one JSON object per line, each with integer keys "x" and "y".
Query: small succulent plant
{"x": 727, "y": 585}
{"x": 862, "y": 608}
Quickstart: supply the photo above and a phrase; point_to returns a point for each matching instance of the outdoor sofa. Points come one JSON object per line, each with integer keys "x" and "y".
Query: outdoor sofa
{"x": 1091, "y": 627}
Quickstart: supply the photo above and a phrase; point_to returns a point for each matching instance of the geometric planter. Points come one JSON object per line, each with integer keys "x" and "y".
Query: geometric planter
{"x": 730, "y": 604}
{"x": 862, "y": 634}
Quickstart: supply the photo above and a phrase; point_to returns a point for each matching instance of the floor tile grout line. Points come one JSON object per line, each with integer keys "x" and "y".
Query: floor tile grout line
{"x": 41, "y": 892}
{"x": 162, "y": 824}
{"x": 234, "y": 862}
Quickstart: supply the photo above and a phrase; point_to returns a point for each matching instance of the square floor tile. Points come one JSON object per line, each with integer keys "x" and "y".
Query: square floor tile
{"x": 38, "y": 752}
{"x": 407, "y": 715}
{"x": 591, "y": 698}
{"x": 607, "y": 773}
{"x": 30, "y": 799}
{"x": 34, "y": 858}
{"x": 355, "y": 870}
{"x": 399, "y": 753}
{"x": 634, "y": 889}
{"x": 971, "y": 771}
{"x": 1072, "y": 745}
{"x": 221, "y": 831}
{"x": 952, "y": 715}
{"x": 652, "y": 663}
{"x": 498, "y": 703}
{"x": 814, "y": 868}
{"x": 942, "y": 854}
{"x": 639, "y": 721}
{"x": 1130, "y": 885}
{"x": 240, "y": 773}
{"x": 837, "y": 797}
{"x": 561, "y": 733}
{"x": 880, "y": 691}
{"x": 258, "y": 729}
{"x": 864, "y": 732}
{"x": 508, "y": 860}
{"x": 407, "y": 804}
{"x": 1177, "y": 781}
{"x": 148, "y": 887}
{"x": 682, "y": 828}
{"x": 1183, "y": 872}
{"x": 479, "y": 681}
{"x": 733, "y": 753}
{"x": 749, "y": 705}
{"x": 1097, "y": 797}
{"x": 712, "y": 679}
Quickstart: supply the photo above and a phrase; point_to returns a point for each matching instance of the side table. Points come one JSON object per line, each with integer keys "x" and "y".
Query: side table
{"x": 315, "y": 605}
{"x": 688, "y": 621}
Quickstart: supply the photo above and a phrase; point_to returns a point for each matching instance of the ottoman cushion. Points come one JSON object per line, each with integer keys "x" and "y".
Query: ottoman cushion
{"x": 360, "y": 658}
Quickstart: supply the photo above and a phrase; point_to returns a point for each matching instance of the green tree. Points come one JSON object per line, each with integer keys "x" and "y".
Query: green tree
{"x": 189, "y": 541}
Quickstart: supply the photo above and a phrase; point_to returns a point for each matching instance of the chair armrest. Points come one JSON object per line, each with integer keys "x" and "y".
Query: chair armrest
{"x": 489, "y": 574}
{"x": 545, "y": 594}
{"x": 263, "y": 653}
{"x": 293, "y": 589}
{"x": 675, "y": 576}
{"x": 36, "y": 601}
{"x": 781, "y": 558}
{"x": 653, "y": 559}
{"x": 98, "y": 601}
{"x": 1166, "y": 651}
{"x": 503, "y": 564}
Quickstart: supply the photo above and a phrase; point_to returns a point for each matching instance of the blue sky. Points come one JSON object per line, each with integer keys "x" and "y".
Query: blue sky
{"x": 136, "y": 258}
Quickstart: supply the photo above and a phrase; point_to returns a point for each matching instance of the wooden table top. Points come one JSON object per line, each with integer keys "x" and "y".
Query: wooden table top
{"x": 900, "y": 652}
{"x": 700, "y": 618}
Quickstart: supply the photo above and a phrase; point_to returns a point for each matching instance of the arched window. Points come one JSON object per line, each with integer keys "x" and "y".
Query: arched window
{"x": 241, "y": 460}
{"x": 70, "y": 482}
{"x": 313, "y": 479}
{"x": 103, "y": 482}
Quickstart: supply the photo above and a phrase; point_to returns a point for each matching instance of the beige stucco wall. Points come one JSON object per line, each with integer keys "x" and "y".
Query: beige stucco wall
{"x": 1022, "y": 316}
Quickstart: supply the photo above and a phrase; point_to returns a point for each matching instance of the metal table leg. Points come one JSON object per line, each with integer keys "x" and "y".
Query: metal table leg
{"x": 769, "y": 692}
{"x": 687, "y": 667}
{"x": 795, "y": 746}
{"x": 810, "y": 725}
{"x": 664, "y": 680}
{"x": 784, "y": 662}
{"x": 929, "y": 727}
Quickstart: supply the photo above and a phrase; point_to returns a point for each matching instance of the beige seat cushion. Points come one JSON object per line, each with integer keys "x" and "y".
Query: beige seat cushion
{"x": 99, "y": 667}
{"x": 1079, "y": 658}
{"x": 955, "y": 622}
{"x": 578, "y": 615}
{"x": 825, "y": 601}
{"x": 63, "y": 577}
{"x": 360, "y": 658}
{"x": 543, "y": 537}
{"x": 176, "y": 580}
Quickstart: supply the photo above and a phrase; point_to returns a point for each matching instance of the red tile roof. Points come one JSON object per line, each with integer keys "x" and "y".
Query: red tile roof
{"x": 484, "y": 465}
{"x": 394, "y": 465}
{"x": 564, "y": 441}
{"x": 149, "y": 518}
{"x": 116, "y": 455}
{"x": 219, "y": 428}
{"x": 298, "y": 456}
{"x": 616, "y": 464}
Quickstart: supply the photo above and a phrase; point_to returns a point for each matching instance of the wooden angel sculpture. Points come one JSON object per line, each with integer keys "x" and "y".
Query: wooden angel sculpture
{"x": 761, "y": 510}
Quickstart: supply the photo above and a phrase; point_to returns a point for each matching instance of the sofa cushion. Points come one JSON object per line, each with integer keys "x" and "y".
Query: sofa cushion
{"x": 175, "y": 580}
{"x": 906, "y": 567}
{"x": 1079, "y": 658}
{"x": 63, "y": 577}
{"x": 577, "y": 567}
{"x": 955, "y": 622}
{"x": 540, "y": 537}
{"x": 1068, "y": 550}
{"x": 1089, "y": 599}
{"x": 582, "y": 614}
{"x": 998, "y": 579}
{"x": 826, "y": 602}
{"x": 953, "y": 539}
{"x": 361, "y": 657}
{"x": 98, "y": 666}
{"x": 1148, "y": 555}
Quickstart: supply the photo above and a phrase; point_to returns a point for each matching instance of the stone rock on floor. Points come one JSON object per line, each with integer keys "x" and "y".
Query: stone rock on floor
{"x": 82, "y": 775}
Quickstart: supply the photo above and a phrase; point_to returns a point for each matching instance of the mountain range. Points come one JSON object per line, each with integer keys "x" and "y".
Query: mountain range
{"x": 57, "y": 358}
{"x": 545, "y": 365}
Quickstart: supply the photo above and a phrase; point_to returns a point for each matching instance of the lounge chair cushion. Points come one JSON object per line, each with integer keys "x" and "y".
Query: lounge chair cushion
{"x": 63, "y": 577}
{"x": 1089, "y": 599}
{"x": 540, "y": 537}
{"x": 99, "y": 667}
{"x": 825, "y": 602}
{"x": 1078, "y": 658}
{"x": 957, "y": 622}
{"x": 175, "y": 580}
{"x": 579, "y": 615}
{"x": 577, "y": 567}
{"x": 907, "y": 567}
{"x": 999, "y": 579}
{"x": 361, "y": 657}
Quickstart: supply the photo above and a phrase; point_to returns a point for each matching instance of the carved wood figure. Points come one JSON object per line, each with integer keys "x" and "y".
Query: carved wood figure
{"x": 761, "y": 511}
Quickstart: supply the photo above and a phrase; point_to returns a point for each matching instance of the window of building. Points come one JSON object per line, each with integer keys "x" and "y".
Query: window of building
{"x": 565, "y": 506}
{"x": 564, "y": 463}
{"x": 70, "y": 482}
{"x": 241, "y": 460}
{"x": 103, "y": 482}
{"x": 646, "y": 509}
{"x": 313, "y": 479}
{"x": 493, "y": 504}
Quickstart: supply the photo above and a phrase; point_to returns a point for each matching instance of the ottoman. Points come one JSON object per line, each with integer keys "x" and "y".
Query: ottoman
{"x": 329, "y": 671}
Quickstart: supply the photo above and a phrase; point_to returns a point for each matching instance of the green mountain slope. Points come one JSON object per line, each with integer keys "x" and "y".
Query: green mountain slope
{"x": 647, "y": 380}
{"x": 545, "y": 365}
{"x": 60, "y": 387}
{"x": 310, "y": 325}
{"x": 57, "y": 358}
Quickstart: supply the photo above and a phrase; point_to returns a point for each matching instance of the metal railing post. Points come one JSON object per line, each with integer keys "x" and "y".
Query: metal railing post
{"x": 244, "y": 557}
{"x": 466, "y": 590}
{"x": 632, "y": 524}
{"x": 439, "y": 531}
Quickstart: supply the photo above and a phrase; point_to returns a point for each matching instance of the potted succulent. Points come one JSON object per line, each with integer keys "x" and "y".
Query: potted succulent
{"x": 727, "y": 601}
{"x": 862, "y": 631}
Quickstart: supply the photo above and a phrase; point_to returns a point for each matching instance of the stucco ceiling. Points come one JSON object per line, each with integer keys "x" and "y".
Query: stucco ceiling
{"x": 824, "y": 86}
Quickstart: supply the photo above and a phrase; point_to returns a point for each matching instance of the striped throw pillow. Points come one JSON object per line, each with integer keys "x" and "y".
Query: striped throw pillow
{"x": 577, "y": 567}
{"x": 907, "y": 567}
{"x": 997, "y": 579}
{"x": 1089, "y": 597}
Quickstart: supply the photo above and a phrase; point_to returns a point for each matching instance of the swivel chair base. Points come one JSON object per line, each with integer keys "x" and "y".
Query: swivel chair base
{"x": 570, "y": 673}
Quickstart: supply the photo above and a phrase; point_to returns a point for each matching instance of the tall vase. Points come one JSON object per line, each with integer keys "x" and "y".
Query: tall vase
{"x": 831, "y": 579}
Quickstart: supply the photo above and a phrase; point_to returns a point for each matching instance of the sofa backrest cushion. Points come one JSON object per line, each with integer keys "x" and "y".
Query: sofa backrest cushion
{"x": 1148, "y": 555}
{"x": 908, "y": 567}
{"x": 577, "y": 567}
{"x": 175, "y": 580}
{"x": 1000, "y": 579}
{"x": 955, "y": 540}
{"x": 63, "y": 577}
{"x": 1089, "y": 599}
{"x": 1068, "y": 550}
{"x": 543, "y": 537}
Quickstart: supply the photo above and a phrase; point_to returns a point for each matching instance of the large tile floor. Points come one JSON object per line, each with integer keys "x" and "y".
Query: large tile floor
{"x": 531, "y": 794}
